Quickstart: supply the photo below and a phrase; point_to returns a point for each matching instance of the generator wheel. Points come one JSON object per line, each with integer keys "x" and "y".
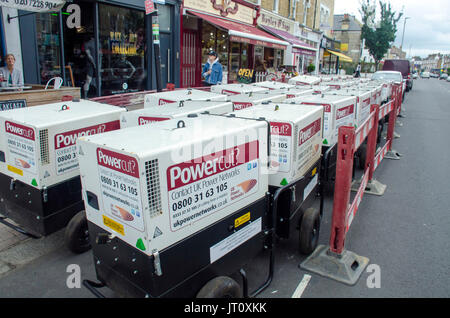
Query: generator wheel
{"x": 220, "y": 287}
{"x": 362, "y": 155}
{"x": 309, "y": 231}
{"x": 77, "y": 234}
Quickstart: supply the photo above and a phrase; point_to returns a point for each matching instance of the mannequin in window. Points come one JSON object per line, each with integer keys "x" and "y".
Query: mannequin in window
{"x": 89, "y": 50}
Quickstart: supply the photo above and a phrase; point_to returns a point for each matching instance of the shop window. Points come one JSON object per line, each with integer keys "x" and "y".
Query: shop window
{"x": 235, "y": 54}
{"x": 122, "y": 50}
{"x": 222, "y": 47}
{"x": 48, "y": 44}
{"x": 165, "y": 18}
{"x": 80, "y": 53}
{"x": 208, "y": 40}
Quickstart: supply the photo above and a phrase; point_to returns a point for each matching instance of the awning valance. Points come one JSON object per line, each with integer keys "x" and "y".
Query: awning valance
{"x": 240, "y": 32}
{"x": 342, "y": 57}
{"x": 292, "y": 39}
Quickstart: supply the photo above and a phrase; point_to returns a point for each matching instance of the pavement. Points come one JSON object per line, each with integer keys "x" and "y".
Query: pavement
{"x": 404, "y": 233}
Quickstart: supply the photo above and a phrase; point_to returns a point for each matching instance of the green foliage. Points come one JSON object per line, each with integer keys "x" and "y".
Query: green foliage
{"x": 378, "y": 36}
{"x": 311, "y": 68}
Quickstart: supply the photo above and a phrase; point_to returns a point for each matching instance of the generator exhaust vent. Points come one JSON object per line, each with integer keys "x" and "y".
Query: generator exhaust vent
{"x": 153, "y": 188}
{"x": 45, "y": 155}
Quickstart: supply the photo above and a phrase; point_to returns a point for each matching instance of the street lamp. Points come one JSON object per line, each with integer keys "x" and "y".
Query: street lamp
{"x": 403, "y": 36}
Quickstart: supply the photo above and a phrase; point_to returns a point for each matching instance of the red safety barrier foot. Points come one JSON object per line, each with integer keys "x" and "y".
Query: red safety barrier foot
{"x": 346, "y": 267}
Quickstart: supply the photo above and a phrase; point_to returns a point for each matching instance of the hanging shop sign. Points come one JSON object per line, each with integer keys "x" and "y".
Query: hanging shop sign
{"x": 34, "y": 5}
{"x": 224, "y": 8}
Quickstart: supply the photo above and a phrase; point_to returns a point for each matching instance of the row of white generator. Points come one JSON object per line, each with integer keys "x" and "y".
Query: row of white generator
{"x": 181, "y": 193}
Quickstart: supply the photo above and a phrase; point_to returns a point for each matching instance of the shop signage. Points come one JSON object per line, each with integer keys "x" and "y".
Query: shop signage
{"x": 124, "y": 44}
{"x": 34, "y": 5}
{"x": 234, "y": 38}
{"x": 245, "y": 76}
{"x": 149, "y": 7}
{"x": 223, "y": 8}
{"x": 303, "y": 52}
{"x": 275, "y": 21}
{"x": 13, "y": 104}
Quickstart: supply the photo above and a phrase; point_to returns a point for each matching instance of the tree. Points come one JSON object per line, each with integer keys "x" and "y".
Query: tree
{"x": 311, "y": 67}
{"x": 378, "y": 36}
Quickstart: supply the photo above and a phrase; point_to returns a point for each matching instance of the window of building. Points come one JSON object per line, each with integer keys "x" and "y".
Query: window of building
{"x": 324, "y": 15}
{"x": 122, "y": 49}
{"x": 276, "y": 5}
{"x": 48, "y": 45}
{"x": 80, "y": 53}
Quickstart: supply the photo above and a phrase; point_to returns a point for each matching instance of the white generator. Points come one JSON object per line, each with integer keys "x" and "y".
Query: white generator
{"x": 159, "y": 99}
{"x": 39, "y": 160}
{"x": 153, "y": 186}
{"x": 296, "y": 138}
{"x": 273, "y": 85}
{"x": 235, "y": 89}
{"x": 243, "y": 101}
{"x": 376, "y": 91}
{"x": 338, "y": 111}
{"x": 320, "y": 89}
{"x": 295, "y": 92}
{"x": 152, "y": 115}
{"x": 304, "y": 80}
{"x": 299, "y": 91}
{"x": 363, "y": 98}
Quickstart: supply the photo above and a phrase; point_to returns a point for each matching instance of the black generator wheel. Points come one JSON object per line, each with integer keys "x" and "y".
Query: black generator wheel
{"x": 220, "y": 287}
{"x": 309, "y": 231}
{"x": 77, "y": 234}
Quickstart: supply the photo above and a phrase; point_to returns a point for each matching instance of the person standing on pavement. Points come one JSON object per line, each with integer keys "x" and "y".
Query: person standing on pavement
{"x": 212, "y": 71}
{"x": 11, "y": 75}
{"x": 358, "y": 71}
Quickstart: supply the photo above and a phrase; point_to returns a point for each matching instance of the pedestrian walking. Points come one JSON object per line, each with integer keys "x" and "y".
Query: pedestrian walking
{"x": 212, "y": 71}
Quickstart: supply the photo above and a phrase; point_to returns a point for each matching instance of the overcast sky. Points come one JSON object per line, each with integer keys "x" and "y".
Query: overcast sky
{"x": 427, "y": 31}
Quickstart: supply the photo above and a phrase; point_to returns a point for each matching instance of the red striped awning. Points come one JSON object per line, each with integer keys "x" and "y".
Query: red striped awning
{"x": 245, "y": 33}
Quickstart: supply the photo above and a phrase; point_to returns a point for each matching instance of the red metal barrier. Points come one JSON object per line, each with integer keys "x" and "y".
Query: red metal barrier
{"x": 349, "y": 141}
{"x": 334, "y": 261}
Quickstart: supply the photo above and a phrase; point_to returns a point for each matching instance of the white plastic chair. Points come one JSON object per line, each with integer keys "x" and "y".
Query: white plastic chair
{"x": 58, "y": 82}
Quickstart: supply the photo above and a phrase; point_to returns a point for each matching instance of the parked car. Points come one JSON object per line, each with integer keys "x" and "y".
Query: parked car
{"x": 448, "y": 79}
{"x": 402, "y": 66}
{"x": 394, "y": 76}
{"x": 434, "y": 75}
{"x": 415, "y": 75}
{"x": 425, "y": 75}
{"x": 443, "y": 76}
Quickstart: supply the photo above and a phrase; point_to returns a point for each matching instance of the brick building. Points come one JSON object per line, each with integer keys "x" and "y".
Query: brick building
{"x": 347, "y": 29}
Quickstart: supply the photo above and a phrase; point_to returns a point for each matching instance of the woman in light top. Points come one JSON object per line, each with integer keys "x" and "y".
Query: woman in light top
{"x": 11, "y": 75}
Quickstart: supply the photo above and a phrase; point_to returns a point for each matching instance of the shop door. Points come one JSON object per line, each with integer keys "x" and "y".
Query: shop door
{"x": 190, "y": 67}
{"x": 166, "y": 59}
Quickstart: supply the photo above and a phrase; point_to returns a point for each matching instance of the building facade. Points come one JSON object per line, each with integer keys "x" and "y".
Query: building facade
{"x": 104, "y": 47}
{"x": 395, "y": 53}
{"x": 347, "y": 30}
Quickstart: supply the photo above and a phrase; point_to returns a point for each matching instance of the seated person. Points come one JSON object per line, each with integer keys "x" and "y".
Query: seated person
{"x": 12, "y": 75}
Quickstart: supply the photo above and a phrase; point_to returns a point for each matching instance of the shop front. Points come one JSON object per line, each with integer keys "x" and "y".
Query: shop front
{"x": 298, "y": 54}
{"x": 104, "y": 47}
{"x": 228, "y": 28}
{"x": 332, "y": 57}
